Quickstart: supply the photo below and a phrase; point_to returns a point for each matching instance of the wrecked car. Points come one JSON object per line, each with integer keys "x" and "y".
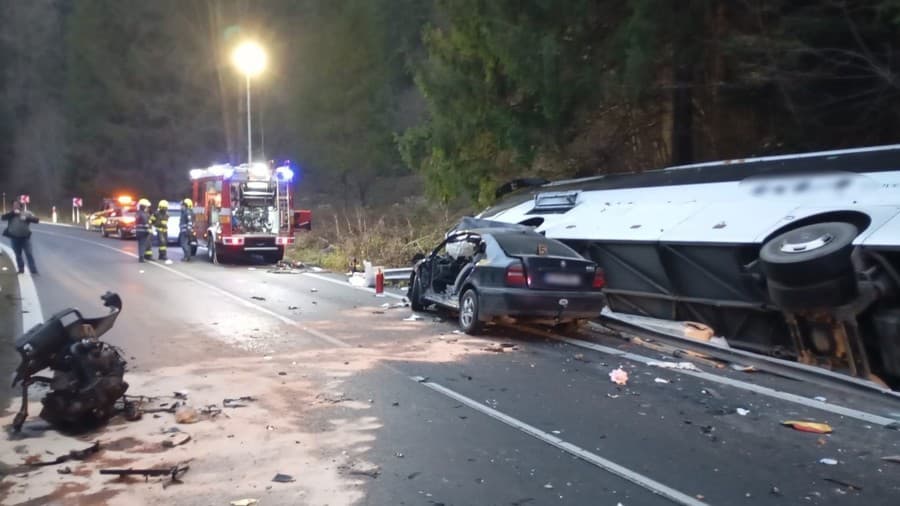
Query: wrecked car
{"x": 88, "y": 374}
{"x": 485, "y": 272}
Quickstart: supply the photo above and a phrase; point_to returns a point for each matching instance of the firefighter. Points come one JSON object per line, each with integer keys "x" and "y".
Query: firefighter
{"x": 160, "y": 220}
{"x": 142, "y": 228}
{"x": 186, "y": 235}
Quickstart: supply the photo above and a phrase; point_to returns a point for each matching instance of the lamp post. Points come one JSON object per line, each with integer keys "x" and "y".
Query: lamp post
{"x": 250, "y": 60}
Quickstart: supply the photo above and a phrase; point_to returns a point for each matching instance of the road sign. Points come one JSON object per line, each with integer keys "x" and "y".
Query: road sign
{"x": 76, "y": 202}
{"x": 25, "y": 199}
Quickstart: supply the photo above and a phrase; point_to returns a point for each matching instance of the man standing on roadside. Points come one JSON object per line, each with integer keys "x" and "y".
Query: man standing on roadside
{"x": 142, "y": 228}
{"x": 19, "y": 232}
{"x": 186, "y": 237}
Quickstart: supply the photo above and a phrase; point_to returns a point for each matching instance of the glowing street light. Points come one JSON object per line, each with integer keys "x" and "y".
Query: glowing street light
{"x": 250, "y": 59}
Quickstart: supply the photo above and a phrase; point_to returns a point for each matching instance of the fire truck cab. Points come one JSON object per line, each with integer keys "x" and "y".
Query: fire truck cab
{"x": 243, "y": 210}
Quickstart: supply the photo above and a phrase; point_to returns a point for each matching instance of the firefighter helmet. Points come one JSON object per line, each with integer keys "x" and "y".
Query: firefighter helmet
{"x": 189, "y": 203}
{"x": 163, "y": 204}
{"x": 143, "y": 203}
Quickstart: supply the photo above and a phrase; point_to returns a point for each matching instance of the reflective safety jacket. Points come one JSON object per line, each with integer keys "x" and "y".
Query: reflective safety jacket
{"x": 160, "y": 220}
{"x": 187, "y": 219}
{"x": 141, "y": 222}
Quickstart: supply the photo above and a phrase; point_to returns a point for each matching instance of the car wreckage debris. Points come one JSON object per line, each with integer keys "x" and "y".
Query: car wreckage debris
{"x": 175, "y": 472}
{"x": 72, "y": 455}
{"x": 88, "y": 374}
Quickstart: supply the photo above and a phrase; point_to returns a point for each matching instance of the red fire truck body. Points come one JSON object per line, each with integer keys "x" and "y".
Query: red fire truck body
{"x": 243, "y": 210}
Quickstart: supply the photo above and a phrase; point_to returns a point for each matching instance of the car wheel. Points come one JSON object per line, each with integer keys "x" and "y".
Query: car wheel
{"x": 809, "y": 254}
{"x": 194, "y": 251}
{"x": 468, "y": 313}
{"x": 120, "y": 233}
{"x": 104, "y": 232}
{"x": 415, "y": 295}
{"x": 824, "y": 294}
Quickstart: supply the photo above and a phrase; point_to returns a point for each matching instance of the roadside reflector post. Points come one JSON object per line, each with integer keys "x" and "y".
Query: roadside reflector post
{"x": 379, "y": 282}
{"x": 53, "y": 214}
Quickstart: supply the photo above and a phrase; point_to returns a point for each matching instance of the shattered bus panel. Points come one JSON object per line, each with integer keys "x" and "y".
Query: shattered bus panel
{"x": 793, "y": 256}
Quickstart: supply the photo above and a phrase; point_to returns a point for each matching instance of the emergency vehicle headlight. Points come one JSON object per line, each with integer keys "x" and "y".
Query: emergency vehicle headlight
{"x": 284, "y": 173}
{"x": 259, "y": 170}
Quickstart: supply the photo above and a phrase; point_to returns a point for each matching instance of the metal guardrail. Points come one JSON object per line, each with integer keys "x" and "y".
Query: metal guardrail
{"x": 400, "y": 274}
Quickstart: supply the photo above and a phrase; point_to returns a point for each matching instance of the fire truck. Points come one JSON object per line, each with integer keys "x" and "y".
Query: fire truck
{"x": 243, "y": 210}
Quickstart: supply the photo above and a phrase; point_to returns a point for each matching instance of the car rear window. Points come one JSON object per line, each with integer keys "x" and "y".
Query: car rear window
{"x": 527, "y": 244}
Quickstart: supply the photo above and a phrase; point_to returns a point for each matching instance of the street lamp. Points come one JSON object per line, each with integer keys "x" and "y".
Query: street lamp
{"x": 250, "y": 59}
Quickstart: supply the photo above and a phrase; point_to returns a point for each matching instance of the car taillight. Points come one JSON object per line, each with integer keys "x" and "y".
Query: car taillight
{"x": 515, "y": 275}
{"x": 281, "y": 241}
{"x": 233, "y": 241}
{"x": 599, "y": 279}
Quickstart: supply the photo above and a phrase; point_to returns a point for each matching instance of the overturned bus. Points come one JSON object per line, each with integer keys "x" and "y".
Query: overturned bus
{"x": 795, "y": 256}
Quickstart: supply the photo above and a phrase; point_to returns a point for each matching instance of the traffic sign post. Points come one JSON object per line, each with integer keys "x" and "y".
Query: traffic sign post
{"x": 76, "y": 209}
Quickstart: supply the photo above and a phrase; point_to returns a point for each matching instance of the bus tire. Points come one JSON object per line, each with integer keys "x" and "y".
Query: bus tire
{"x": 809, "y": 254}
{"x": 824, "y": 294}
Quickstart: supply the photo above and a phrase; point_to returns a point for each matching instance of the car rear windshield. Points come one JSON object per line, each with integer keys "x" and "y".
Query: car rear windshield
{"x": 527, "y": 244}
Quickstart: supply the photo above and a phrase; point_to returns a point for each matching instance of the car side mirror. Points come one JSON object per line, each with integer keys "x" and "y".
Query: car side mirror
{"x": 481, "y": 248}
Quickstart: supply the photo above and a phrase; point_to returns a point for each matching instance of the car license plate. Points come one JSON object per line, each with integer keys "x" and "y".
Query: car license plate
{"x": 563, "y": 279}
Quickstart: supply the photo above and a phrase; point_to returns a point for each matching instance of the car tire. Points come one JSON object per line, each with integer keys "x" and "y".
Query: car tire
{"x": 822, "y": 252}
{"x": 824, "y": 294}
{"x": 469, "y": 320}
{"x": 120, "y": 233}
{"x": 194, "y": 251}
{"x": 415, "y": 295}
{"x": 104, "y": 232}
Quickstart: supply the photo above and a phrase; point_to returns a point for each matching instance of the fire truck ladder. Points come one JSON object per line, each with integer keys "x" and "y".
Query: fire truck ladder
{"x": 283, "y": 201}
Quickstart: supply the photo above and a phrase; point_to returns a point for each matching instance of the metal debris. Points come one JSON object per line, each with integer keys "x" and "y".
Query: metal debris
{"x": 283, "y": 478}
{"x": 244, "y": 502}
{"x": 72, "y": 455}
{"x": 828, "y": 462}
{"x": 661, "y": 380}
{"x": 850, "y": 486}
{"x": 257, "y": 297}
{"x": 175, "y": 472}
{"x": 169, "y": 444}
{"x": 238, "y": 402}
{"x": 685, "y": 366}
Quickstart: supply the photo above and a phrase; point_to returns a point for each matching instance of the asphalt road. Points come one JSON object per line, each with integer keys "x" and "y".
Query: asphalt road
{"x": 409, "y": 412}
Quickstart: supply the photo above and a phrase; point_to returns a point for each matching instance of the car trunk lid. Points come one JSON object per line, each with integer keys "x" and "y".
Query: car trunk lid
{"x": 558, "y": 273}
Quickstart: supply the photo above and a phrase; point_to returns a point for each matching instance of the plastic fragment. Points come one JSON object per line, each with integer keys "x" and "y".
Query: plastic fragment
{"x": 413, "y": 318}
{"x": 820, "y": 398}
{"x": 661, "y": 380}
{"x": 742, "y": 411}
{"x": 828, "y": 462}
{"x": 244, "y": 502}
{"x": 814, "y": 427}
{"x": 618, "y": 376}
{"x": 685, "y": 366}
{"x": 892, "y": 458}
{"x": 283, "y": 478}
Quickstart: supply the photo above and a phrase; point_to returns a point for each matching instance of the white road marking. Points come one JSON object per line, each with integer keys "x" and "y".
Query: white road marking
{"x": 31, "y": 305}
{"x": 348, "y": 285}
{"x": 769, "y": 392}
{"x": 590, "y": 457}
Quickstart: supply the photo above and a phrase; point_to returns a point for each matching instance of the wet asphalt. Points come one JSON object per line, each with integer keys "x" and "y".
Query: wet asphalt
{"x": 685, "y": 434}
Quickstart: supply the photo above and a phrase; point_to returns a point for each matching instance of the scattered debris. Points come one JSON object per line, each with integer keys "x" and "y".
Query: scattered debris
{"x": 238, "y": 402}
{"x": 313, "y": 290}
{"x": 170, "y": 444}
{"x": 618, "y": 376}
{"x": 661, "y": 380}
{"x": 186, "y": 414}
{"x": 892, "y": 458}
{"x": 372, "y": 473}
{"x": 72, "y": 455}
{"x": 270, "y": 427}
{"x": 684, "y": 366}
{"x": 292, "y": 308}
{"x": 244, "y": 502}
{"x": 820, "y": 398}
{"x": 420, "y": 379}
{"x": 458, "y": 332}
{"x": 775, "y": 491}
{"x": 257, "y": 297}
{"x": 64, "y": 470}
{"x": 742, "y": 411}
{"x": 828, "y": 462}
{"x": 850, "y": 486}
{"x": 413, "y": 475}
{"x": 814, "y": 427}
{"x": 181, "y": 394}
{"x": 413, "y": 318}
{"x": 613, "y": 396}
{"x": 580, "y": 357}
{"x": 548, "y": 486}
{"x": 744, "y": 368}
{"x": 174, "y": 473}
{"x": 283, "y": 478}
{"x": 398, "y": 455}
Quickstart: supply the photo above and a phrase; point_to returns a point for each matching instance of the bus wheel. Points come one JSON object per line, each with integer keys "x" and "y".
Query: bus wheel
{"x": 810, "y": 254}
